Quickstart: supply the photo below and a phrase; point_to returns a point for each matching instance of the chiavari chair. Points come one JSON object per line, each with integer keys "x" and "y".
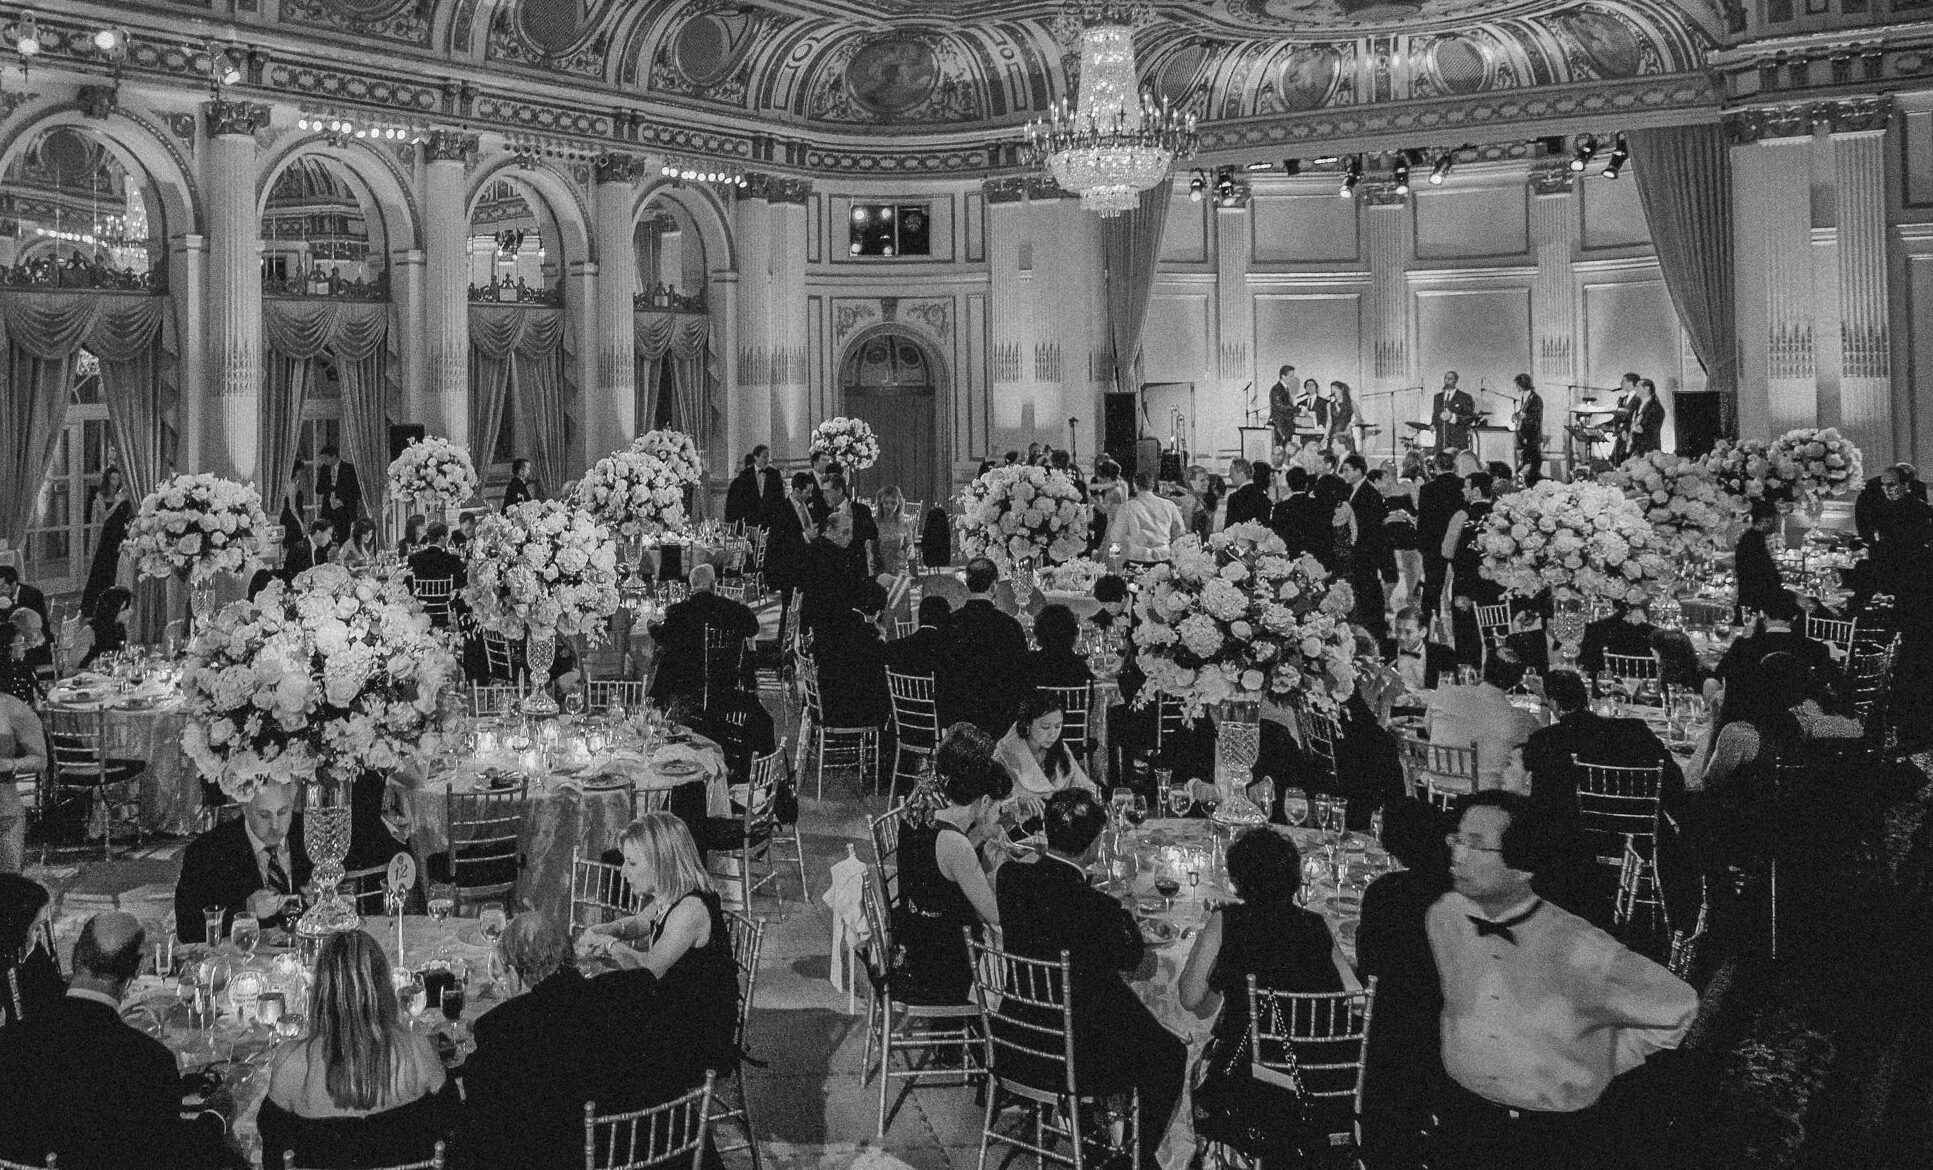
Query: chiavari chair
{"x": 748, "y": 943}
{"x": 78, "y": 761}
{"x": 602, "y": 694}
{"x": 893, "y": 1022}
{"x": 488, "y": 699}
{"x": 857, "y": 745}
{"x": 1618, "y": 814}
{"x": 1317, "y": 1041}
{"x": 1075, "y": 702}
{"x": 650, "y": 1139}
{"x": 916, "y": 724}
{"x": 485, "y": 860}
{"x": 884, "y": 830}
{"x": 599, "y": 894}
{"x": 435, "y": 594}
{"x": 1836, "y": 633}
{"x": 1441, "y": 771}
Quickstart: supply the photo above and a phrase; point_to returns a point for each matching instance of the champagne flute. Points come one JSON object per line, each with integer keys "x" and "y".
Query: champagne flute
{"x": 442, "y": 904}
{"x": 1120, "y": 799}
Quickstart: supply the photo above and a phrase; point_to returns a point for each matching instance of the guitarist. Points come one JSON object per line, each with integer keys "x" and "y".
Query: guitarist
{"x": 1527, "y": 422}
{"x": 1453, "y": 413}
{"x": 1620, "y": 425}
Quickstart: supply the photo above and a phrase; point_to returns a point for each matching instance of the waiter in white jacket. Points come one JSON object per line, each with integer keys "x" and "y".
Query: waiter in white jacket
{"x": 1146, "y": 525}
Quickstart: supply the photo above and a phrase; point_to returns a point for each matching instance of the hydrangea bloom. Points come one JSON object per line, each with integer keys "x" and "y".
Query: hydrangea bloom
{"x": 1075, "y": 576}
{"x": 544, "y": 567}
{"x": 849, "y": 441}
{"x": 634, "y": 493}
{"x": 433, "y": 470}
{"x": 678, "y": 453}
{"x": 1680, "y": 497}
{"x": 1022, "y": 512}
{"x": 1803, "y": 466}
{"x": 197, "y": 526}
{"x": 1578, "y": 540}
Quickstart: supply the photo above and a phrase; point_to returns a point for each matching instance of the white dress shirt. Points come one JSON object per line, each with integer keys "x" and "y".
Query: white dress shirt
{"x": 1482, "y": 714}
{"x": 1546, "y": 1021}
{"x": 1028, "y": 777}
{"x": 261, "y": 849}
{"x": 1145, "y": 526}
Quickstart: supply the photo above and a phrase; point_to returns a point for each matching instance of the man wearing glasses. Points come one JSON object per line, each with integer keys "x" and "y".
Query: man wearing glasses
{"x": 1540, "y": 1008}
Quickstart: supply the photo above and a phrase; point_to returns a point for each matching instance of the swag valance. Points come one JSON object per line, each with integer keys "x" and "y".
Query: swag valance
{"x": 519, "y": 355}
{"x": 686, "y": 339}
{"x": 356, "y": 338}
{"x": 682, "y": 335}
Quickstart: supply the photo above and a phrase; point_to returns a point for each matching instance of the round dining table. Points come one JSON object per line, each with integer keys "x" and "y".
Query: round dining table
{"x": 143, "y": 722}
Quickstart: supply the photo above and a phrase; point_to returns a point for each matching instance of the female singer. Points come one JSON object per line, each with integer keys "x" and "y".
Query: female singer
{"x": 1342, "y": 418}
{"x": 1647, "y": 420}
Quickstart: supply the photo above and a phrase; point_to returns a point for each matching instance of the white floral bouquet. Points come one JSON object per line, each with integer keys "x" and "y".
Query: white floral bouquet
{"x": 433, "y": 469}
{"x": 1239, "y": 619}
{"x": 634, "y": 493}
{"x": 1746, "y": 470}
{"x": 1826, "y": 462}
{"x": 1578, "y": 540}
{"x": 544, "y": 567}
{"x": 334, "y": 671}
{"x": 849, "y": 441}
{"x": 1680, "y": 497}
{"x": 1022, "y": 512}
{"x": 197, "y": 526}
{"x": 1076, "y": 576}
{"x": 677, "y": 451}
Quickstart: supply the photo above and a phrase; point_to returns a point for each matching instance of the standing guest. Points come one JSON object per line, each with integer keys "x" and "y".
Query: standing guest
{"x": 1047, "y": 909}
{"x": 681, "y": 637}
{"x": 785, "y": 546}
{"x": 742, "y": 501}
{"x": 17, "y": 595}
{"x": 1404, "y": 1060}
{"x": 522, "y": 485}
{"x": 1107, "y": 493}
{"x": 1342, "y": 419}
{"x": 758, "y": 492}
{"x": 821, "y": 466}
{"x": 106, "y": 632}
{"x": 338, "y": 491}
{"x": 681, "y": 939}
{"x": 1033, "y": 752}
{"x": 30, "y": 980}
{"x": 86, "y": 1087}
{"x": 1371, "y": 546}
{"x": 1592, "y": 738}
{"x": 851, "y": 661}
{"x": 22, "y": 753}
{"x": 920, "y": 652}
{"x": 936, "y": 537}
{"x": 1647, "y": 420}
{"x": 1896, "y": 525}
{"x": 295, "y": 507}
{"x": 1541, "y": 1010}
{"x": 415, "y": 529}
{"x": 1469, "y": 587}
{"x": 1298, "y": 517}
{"x": 1337, "y": 549}
{"x": 110, "y": 514}
{"x": 362, "y": 1088}
{"x": 1055, "y": 663}
{"x": 360, "y": 551}
{"x": 1249, "y": 502}
{"x": 1399, "y": 530}
{"x": 1481, "y": 714}
{"x": 1147, "y": 524}
{"x": 1282, "y": 407}
{"x": 1437, "y": 502}
{"x": 943, "y": 888}
{"x": 985, "y": 678}
{"x": 894, "y": 539}
{"x": 831, "y": 571}
{"x": 1757, "y": 573}
{"x": 1529, "y": 424}
{"x": 864, "y": 547}
{"x": 250, "y": 864}
{"x": 1620, "y": 425}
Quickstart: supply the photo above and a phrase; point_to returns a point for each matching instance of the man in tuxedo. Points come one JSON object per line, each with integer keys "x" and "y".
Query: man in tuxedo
{"x": 1298, "y": 519}
{"x": 434, "y": 561}
{"x": 984, "y": 677}
{"x": 1620, "y": 424}
{"x": 1530, "y": 425}
{"x": 1892, "y": 517}
{"x": 1781, "y": 632}
{"x": 521, "y": 486}
{"x": 17, "y": 594}
{"x": 1249, "y": 502}
{"x": 1372, "y": 545}
{"x": 311, "y": 551}
{"x": 1282, "y": 407}
{"x": 771, "y": 490}
{"x": 295, "y": 506}
{"x": 921, "y": 651}
{"x": 822, "y": 466}
{"x": 1626, "y": 630}
{"x": 830, "y": 572}
{"x": 681, "y": 638}
{"x": 1453, "y": 413}
{"x": 84, "y": 1086}
{"x": 249, "y": 864}
{"x": 1422, "y": 664}
{"x": 1047, "y": 907}
{"x": 1757, "y": 574}
{"x": 785, "y": 545}
{"x": 742, "y": 502}
{"x": 1437, "y": 502}
{"x": 338, "y": 492}
{"x": 864, "y": 549}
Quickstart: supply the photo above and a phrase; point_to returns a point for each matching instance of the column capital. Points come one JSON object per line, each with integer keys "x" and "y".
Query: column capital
{"x": 1803, "y": 120}
{"x": 1553, "y": 181}
{"x": 1384, "y": 195}
{"x": 1014, "y": 188}
{"x": 449, "y": 146}
{"x": 776, "y": 188}
{"x": 618, "y": 167}
{"x": 229, "y": 117}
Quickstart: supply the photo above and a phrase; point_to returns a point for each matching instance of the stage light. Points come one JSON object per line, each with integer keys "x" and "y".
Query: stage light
{"x": 1224, "y": 184}
{"x": 26, "y": 36}
{"x": 1441, "y": 170}
{"x": 111, "y": 42}
{"x": 1197, "y": 184}
{"x": 1586, "y": 150}
{"x": 1620, "y": 154}
{"x": 1353, "y": 177}
{"x": 1402, "y": 172}
{"x": 224, "y": 68}
{"x": 301, "y": 123}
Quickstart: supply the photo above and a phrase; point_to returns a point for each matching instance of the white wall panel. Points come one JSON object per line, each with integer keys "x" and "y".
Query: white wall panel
{"x": 1481, "y": 333}
{"x": 1470, "y": 222}
{"x": 1613, "y": 213}
{"x": 1174, "y": 342}
{"x": 1311, "y": 228}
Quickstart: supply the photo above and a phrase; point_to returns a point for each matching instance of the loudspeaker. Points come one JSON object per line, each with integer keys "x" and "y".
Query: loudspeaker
{"x": 400, "y": 435}
{"x": 1118, "y": 428}
{"x": 1696, "y": 414}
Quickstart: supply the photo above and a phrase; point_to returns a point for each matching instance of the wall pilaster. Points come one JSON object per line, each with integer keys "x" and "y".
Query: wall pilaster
{"x": 232, "y": 422}
{"x": 446, "y": 277}
{"x": 611, "y": 399}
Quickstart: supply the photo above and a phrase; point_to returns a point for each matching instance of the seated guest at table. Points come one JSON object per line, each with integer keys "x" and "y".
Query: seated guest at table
{"x": 1541, "y": 1010}
{"x": 15, "y": 594}
{"x": 1752, "y": 731}
{"x": 106, "y": 631}
{"x": 1626, "y": 630}
{"x": 1678, "y": 664}
{"x": 1111, "y": 591}
{"x": 246, "y": 865}
{"x": 23, "y": 752}
{"x": 30, "y": 981}
{"x": 681, "y": 639}
{"x": 936, "y": 537}
{"x": 16, "y": 677}
{"x": 1481, "y": 713}
{"x": 984, "y": 678}
{"x": 360, "y": 551}
{"x": 433, "y": 560}
{"x": 830, "y": 571}
{"x": 522, "y": 485}
{"x": 1033, "y": 751}
{"x": 680, "y": 940}
{"x": 1267, "y": 936}
{"x": 1422, "y": 664}
{"x": 36, "y": 651}
{"x": 311, "y": 550}
{"x": 415, "y": 532}
{"x": 943, "y": 888}
{"x": 1056, "y": 664}
{"x": 362, "y": 1088}
{"x": 1757, "y": 573}
{"x": 920, "y": 651}
{"x": 1405, "y": 1058}
{"x": 851, "y": 660}
{"x": 1047, "y": 908}
{"x": 466, "y": 531}
{"x": 1594, "y": 739}
{"x": 88, "y": 1088}
{"x": 1779, "y": 632}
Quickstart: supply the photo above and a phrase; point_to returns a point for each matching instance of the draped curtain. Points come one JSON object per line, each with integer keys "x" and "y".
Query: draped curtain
{"x": 517, "y": 356}
{"x": 1131, "y": 250}
{"x": 694, "y": 371}
{"x": 41, "y": 333}
{"x": 355, "y": 336}
{"x": 1685, "y": 183}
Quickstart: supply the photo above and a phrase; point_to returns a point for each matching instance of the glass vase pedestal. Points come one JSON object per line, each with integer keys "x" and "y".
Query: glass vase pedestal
{"x": 1238, "y": 745}
{"x": 325, "y": 834}
{"x": 540, "y": 654}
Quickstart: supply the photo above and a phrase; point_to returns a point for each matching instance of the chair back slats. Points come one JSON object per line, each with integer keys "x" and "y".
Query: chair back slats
{"x": 761, "y": 814}
{"x": 650, "y": 1138}
{"x": 599, "y": 894}
{"x": 1321, "y": 732}
{"x": 1170, "y": 718}
{"x": 905, "y": 626}
{"x": 748, "y": 941}
{"x": 1616, "y": 804}
{"x": 916, "y": 715}
{"x": 434, "y": 593}
{"x": 1443, "y": 771}
{"x": 494, "y": 698}
{"x": 435, "y": 1162}
{"x": 1493, "y": 622}
{"x": 76, "y": 744}
{"x": 1835, "y": 632}
{"x": 1075, "y": 703}
{"x": 885, "y": 830}
{"x": 724, "y": 663}
{"x": 496, "y": 655}
{"x": 1027, "y": 1009}
{"x": 485, "y": 828}
{"x": 1319, "y": 1037}
{"x": 600, "y": 695}
{"x": 1641, "y": 667}
{"x": 876, "y": 949}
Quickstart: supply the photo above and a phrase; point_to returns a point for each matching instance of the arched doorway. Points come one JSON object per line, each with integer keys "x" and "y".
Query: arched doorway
{"x": 892, "y": 381}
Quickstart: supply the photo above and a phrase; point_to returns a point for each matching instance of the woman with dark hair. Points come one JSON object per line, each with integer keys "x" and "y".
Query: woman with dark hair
{"x": 1056, "y": 664}
{"x": 1647, "y": 420}
{"x": 106, "y": 631}
{"x": 943, "y": 887}
{"x": 109, "y": 513}
{"x": 1469, "y": 587}
{"x": 1332, "y": 500}
{"x": 30, "y": 978}
{"x": 1032, "y": 750}
{"x": 360, "y": 550}
{"x": 1342, "y": 418}
{"x": 415, "y": 530}
{"x": 1678, "y": 663}
{"x": 1266, "y": 935}
{"x": 1754, "y": 730}
{"x": 1111, "y": 591}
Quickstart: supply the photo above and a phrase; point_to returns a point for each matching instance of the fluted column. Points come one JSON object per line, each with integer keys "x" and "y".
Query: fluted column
{"x": 794, "y": 414}
{"x": 232, "y": 421}
{"x": 446, "y": 276}
{"x": 614, "y": 396}
{"x": 1386, "y": 228}
{"x": 1217, "y": 419}
{"x": 188, "y": 285}
{"x": 751, "y": 405}
{"x": 1865, "y": 381}
{"x": 1773, "y": 189}
{"x": 1010, "y": 256}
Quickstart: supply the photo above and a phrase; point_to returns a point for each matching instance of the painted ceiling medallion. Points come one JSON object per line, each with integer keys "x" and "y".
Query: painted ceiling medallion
{"x": 892, "y": 74}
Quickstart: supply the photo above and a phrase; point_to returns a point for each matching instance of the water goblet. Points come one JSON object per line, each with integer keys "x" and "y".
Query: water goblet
{"x": 1295, "y": 806}
{"x": 490, "y": 921}
{"x": 246, "y": 933}
{"x": 1119, "y": 799}
{"x": 574, "y": 703}
{"x": 1137, "y": 812}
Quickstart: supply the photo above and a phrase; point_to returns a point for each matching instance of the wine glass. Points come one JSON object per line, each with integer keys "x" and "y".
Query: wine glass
{"x": 1295, "y": 806}
{"x": 455, "y": 992}
{"x": 1137, "y": 811}
{"x": 490, "y": 921}
{"x": 1120, "y": 799}
{"x": 1167, "y": 887}
{"x": 1180, "y": 799}
{"x": 574, "y": 703}
{"x": 442, "y": 904}
{"x": 246, "y": 933}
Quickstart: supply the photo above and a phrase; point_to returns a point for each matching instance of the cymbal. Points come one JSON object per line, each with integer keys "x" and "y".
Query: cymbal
{"x": 1417, "y": 426}
{"x": 1370, "y": 428}
{"x": 1588, "y": 410}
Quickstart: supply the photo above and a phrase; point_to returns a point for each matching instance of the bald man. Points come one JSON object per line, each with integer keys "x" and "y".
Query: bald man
{"x": 249, "y": 864}
{"x": 85, "y": 1086}
{"x": 681, "y": 639}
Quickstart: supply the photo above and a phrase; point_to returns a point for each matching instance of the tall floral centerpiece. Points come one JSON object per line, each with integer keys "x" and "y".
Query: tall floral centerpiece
{"x": 195, "y": 527}
{"x": 1824, "y": 464}
{"x": 1023, "y": 516}
{"x": 1682, "y": 500}
{"x": 316, "y": 680}
{"x": 434, "y": 472}
{"x": 849, "y": 442}
{"x": 678, "y": 452}
{"x": 637, "y": 495}
{"x": 538, "y": 570}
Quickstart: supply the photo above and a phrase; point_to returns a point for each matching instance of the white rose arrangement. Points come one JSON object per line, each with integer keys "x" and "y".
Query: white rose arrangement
{"x": 677, "y": 451}
{"x": 1023, "y": 512}
{"x": 335, "y": 671}
{"x": 1075, "y": 576}
{"x": 1825, "y": 462}
{"x": 542, "y": 568}
{"x": 1578, "y": 540}
{"x": 435, "y": 470}
{"x": 1680, "y": 497}
{"x": 849, "y": 441}
{"x": 197, "y": 526}
{"x": 1238, "y": 619}
{"x": 633, "y": 493}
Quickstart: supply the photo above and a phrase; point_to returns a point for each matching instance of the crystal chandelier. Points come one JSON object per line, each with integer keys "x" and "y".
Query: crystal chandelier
{"x": 1117, "y": 142}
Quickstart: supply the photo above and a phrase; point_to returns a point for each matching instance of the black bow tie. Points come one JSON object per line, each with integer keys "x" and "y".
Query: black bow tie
{"x": 1504, "y": 930}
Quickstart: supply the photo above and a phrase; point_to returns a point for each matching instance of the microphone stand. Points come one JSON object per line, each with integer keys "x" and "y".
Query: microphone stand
{"x": 1073, "y": 441}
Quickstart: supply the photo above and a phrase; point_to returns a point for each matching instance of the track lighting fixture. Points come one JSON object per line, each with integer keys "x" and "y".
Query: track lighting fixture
{"x": 1197, "y": 184}
{"x": 1441, "y": 170}
{"x": 1401, "y": 172}
{"x": 1586, "y": 150}
{"x": 1352, "y": 178}
{"x": 1224, "y": 184}
{"x": 25, "y": 36}
{"x": 1620, "y": 154}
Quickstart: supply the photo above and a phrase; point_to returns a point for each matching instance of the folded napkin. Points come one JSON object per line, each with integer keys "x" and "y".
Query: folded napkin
{"x": 681, "y": 756}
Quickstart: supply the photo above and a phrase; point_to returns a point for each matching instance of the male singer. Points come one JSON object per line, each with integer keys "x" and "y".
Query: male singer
{"x": 1282, "y": 407}
{"x": 1453, "y": 413}
{"x": 1620, "y": 425}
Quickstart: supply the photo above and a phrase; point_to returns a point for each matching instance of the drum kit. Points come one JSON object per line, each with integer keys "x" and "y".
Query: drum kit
{"x": 1592, "y": 425}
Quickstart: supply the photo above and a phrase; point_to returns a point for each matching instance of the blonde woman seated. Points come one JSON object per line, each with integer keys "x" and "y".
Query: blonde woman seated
{"x": 361, "y": 1089}
{"x": 1033, "y": 752}
{"x": 681, "y": 939}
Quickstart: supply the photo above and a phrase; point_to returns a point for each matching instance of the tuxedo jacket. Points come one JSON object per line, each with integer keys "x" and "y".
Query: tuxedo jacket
{"x": 1453, "y": 434}
{"x": 984, "y": 677}
{"x": 1437, "y": 502}
{"x": 219, "y": 868}
{"x": 1595, "y": 739}
{"x": 1370, "y": 508}
{"x": 516, "y": 492}
{"x": 785, "y": 547}
{"x": 1302, "y": 524}
{"x": 347, "y": 490}
{"x": 919, "y": 652}
{"x": 434, "y": 564}
{"x": 681, "y": 641}
{"x": 1756, "y": 572}
{"x": 1248, "y": 503}
{"x": 742, "y": 501}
